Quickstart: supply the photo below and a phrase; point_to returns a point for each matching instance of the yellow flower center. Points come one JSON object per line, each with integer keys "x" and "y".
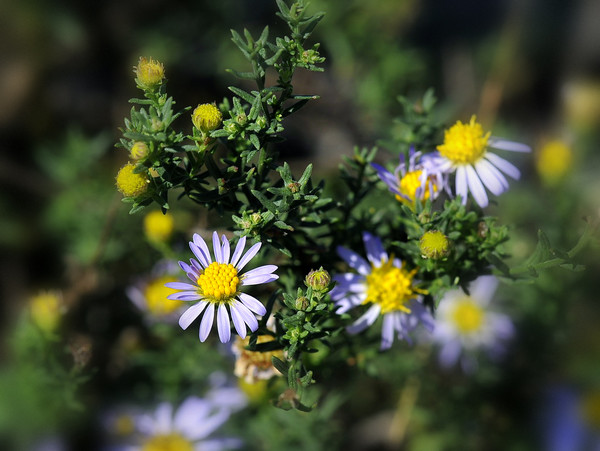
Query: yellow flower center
{"x": 464, "y": 143}
{"x": 46, "y": 309}
{"x": 467, "y": 316}
{"x": 129, "y": 183}
{"x": 150, "y": 73}
{"x": 590, "y": 409}
{"x": 207, "y": 117}
{"x": 219, "y": 282}
{"x": 433, "y": 244}
{"x": 554, "y": 161}
{"x": 390, "y": 287}
{"x": 156, "y": 296}
{"x": 124, "y": 425}
{"x": 168, "y": 442}
{"x": 158, "y": 227}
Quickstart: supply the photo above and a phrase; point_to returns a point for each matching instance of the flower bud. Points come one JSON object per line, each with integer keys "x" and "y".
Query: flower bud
{"x": 301, "y": 303}
{"x": 139, "y": 150}
{"x": 318, "y": 280}
{"x": 149, "y": 73}
{"x": 207, "y": 117}
{"x": 434, "y": 244}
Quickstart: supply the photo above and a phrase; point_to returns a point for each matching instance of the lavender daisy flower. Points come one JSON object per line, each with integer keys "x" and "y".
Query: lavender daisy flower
{"x": 386, "y": 286}
{"x": 188, "y": 428}
{"x": 216, "y": 285}
{"x": 465, "y": 150}
{"x": 423, "y": 178}
{"x": 465, "y": 323}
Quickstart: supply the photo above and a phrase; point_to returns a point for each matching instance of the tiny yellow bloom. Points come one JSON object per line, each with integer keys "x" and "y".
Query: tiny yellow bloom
{"x": 156, "y": 294}
{"x": 149, "y": 73}
{"x": 464, "y": 143}
{"x": 139, "y": 150}
{"x": 554, "y": 160}
{"x": 46, "y": 309}
{"x": 130, "y": 183}
{"x": 158, "y": 226}
{"x": 172, "y": 441}
{"x": 434, "y": 244}
{"x": 207, "y": 117}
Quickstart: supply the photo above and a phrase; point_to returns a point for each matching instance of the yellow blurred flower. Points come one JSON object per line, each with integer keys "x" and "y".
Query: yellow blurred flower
{"x": 553, "y": 161}
{"x": 158, "y": 226}
{"x": 46, "y": 310}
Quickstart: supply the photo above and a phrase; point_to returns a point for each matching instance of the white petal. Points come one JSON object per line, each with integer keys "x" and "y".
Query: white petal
{"x": 258, "y": 279}
{"x": 387, "y": 331}
{"x": 223, "y": 324}
{"x": 491, "y": 177}
{"x": 483, "y": 288}
{"x": 239, "y": 248}
{"x": 506, "y": 167}
{"x": 238, "y": 322}
{"x": 461, "y": 183}
{"x": 199, "y": 242}
{"x": 217, "y": 248}
{"x": 253, "y": 304}
{"x": 207, "y": 322}
{"x": 365, "y": 320}
{"x": 226, "y": 249}
{"x": 499, "y": 143}
{"x": 246, "y": 315}
{"x": 248, "y": 256}
{"x": 191, "y": 314}
{"x": 475, "y": 186}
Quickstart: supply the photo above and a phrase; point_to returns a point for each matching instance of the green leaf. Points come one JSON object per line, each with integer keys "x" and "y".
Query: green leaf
{"x": 241, "y": 75}
{"x": 242, "y": 94}
{"x": 265, "y": 202}
{"x": 255, "y": 141}
{"x": 280, "y": 365}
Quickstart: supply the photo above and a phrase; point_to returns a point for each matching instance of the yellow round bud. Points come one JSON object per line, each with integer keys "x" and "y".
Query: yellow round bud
{"x": 207, "y": 117}
{"x": 139, "y": 150}
{"x": 149, "y": 73}
{"x": 158, "y": 227}
{"x": 131, "y": 184}
{"x": 318, "y": 280}
{"x": 434, "y": 244}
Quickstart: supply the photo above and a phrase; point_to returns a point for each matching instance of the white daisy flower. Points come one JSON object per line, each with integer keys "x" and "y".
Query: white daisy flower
{"x": 465, "y": 150}
{"x": 386, "y": 286}
{"x": 217, "y": 284}
{"x": 465, "y": 323}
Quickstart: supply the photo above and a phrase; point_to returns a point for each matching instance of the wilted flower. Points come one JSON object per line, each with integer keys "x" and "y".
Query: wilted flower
{"x": 465, "y": 150}
{"x": 255, "y": 365}
{"x": 216, "y": 285}
{"x": 422, "y": 179}
{"x": 131, "y": 183}
{"x": 386, "y": 286}
{"x": 465, "y": 323}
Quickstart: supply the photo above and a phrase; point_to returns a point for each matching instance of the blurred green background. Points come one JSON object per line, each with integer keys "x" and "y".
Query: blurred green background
{"x": 529, "y": 69}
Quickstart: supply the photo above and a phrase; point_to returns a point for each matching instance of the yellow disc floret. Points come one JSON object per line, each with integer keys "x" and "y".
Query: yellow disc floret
{"x": 464, "y": 143}
{"x": 409, "y": 184}
{"x": 168, "y": 442}
{"x": 131, "y": 183}
{"x": 219, "y": 282}
{"x": 149, "y": 73}
{"x": 390, "y": 287}
{"x": 253, "y": 365}
{"x": 207, "y": 117}
{"x": 139, "y": 150}
{"x": 434, "y": 244}
{"x": 156, "y": 296}
{"x": 158, "y": 227}
{"x": 467, "y": 316}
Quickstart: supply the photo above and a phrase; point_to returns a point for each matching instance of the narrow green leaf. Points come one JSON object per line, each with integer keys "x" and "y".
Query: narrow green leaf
{"x": 243, "y": 94}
